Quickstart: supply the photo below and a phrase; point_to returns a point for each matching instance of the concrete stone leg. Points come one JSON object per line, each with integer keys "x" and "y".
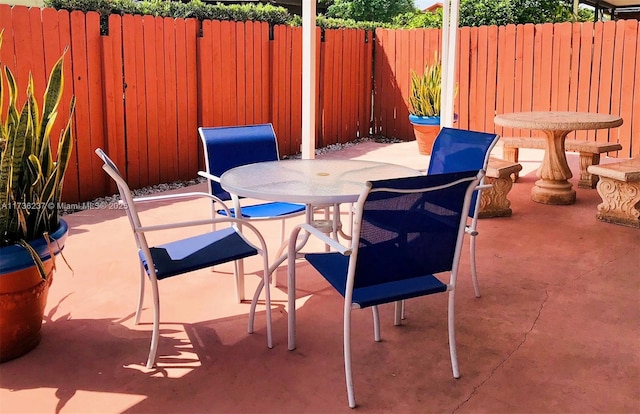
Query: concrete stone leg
{"x": 620, "y": 202}
{"x": 588, "y": 180}
{"x": 511, "y": 154}
{"x": 493, "y": 201}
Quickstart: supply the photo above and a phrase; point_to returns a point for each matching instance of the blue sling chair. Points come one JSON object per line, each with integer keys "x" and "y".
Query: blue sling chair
{"x": 457, "y": 150}
{"x": 232, "y": 146}
{"x": 190, "y": 254}
{"x": 404, "y": 232}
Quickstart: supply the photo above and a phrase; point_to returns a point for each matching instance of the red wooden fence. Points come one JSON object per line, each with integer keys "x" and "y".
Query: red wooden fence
{"x": 582, "y": 67}
{"x": 143, "y": 89}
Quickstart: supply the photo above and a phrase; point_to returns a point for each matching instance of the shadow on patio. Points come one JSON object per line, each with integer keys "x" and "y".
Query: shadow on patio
{"x": 556, "y": 328}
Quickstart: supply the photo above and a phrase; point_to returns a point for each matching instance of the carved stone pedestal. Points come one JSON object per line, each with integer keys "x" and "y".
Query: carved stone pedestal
{"x": 493, "y": 201}
{"x": 619, "y": 188}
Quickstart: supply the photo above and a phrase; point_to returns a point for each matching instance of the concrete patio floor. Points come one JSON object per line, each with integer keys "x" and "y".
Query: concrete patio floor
{"x": 555, "y": 331}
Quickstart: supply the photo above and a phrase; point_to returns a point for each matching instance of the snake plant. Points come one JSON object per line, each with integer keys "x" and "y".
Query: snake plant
{"x": 30, "y": 179}
{"x": 425, "y": 92}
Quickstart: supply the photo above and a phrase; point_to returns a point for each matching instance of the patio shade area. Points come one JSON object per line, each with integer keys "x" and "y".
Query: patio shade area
{"x": 555, "y": 331}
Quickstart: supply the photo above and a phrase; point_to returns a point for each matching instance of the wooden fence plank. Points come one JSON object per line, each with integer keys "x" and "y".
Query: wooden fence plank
{"x": 140, "y": 134}
{"x": 81, "y": 91}
{"x": 36, "y": 50}
{"x": 634, "y": 137}
{"x": 491, "y": 79}
{"x": 241, "y": 73}
{"x": 628, "y": 110}
{"x": 205, "y": 75}
{"x": 191, "y": 92}
{"x": 464, "y": 79}
{"x": 575, "y": 67}
{"x": 296, "y": 91}
{"x": 152, "y": 39}
{"x": 183, "y": 135}
{"x": 218, "y": 83}
{"x": 529, "y": 39}
{"x": 606, "y": 76}
{"x": 95, "y": 88}
{"x": 561, "y": 66}
{"x": 169, "y": 143}
{"x": 584, "y": 71}
{"x": 332, "y": 100}
{"x": 132, "y": 168}
{"x": 114, "y": 93}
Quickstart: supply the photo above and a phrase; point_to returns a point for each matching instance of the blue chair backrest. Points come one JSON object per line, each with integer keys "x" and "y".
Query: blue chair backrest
{"x": 404, "y": 235}
{"x": 457, "y": 150}
{"x": 229, "y": 147}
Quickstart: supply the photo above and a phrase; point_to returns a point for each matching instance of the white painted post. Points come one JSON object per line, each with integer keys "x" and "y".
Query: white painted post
{"x": 308, "y": 79}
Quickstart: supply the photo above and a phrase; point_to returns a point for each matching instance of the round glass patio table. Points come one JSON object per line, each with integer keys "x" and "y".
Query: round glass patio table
{"x": 554, "y": 187}
{"x": 311, "y": 182}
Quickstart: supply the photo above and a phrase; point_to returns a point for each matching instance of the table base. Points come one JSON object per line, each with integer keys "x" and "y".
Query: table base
{"x": 553, "y": 192}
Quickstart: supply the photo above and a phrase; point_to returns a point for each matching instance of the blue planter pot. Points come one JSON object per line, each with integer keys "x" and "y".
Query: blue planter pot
{"x": 14, "y": 258}
{"x": 424, "y": 120}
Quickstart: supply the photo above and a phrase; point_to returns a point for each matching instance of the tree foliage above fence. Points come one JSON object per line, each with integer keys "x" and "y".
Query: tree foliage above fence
{"x": 193, "y": 9}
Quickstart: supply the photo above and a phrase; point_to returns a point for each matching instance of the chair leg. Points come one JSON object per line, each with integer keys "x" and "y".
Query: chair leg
{"x": 376, "y": 323}
{"x": 452, "y": 336}
{"x": 238, "y": 273}
{"x": 156, "y": 325}
{"x": 347, "y": 355}
{"x": 399, "y": 312}
{"x": 264, "y": 283}
{"x": 474, "y": 273}
{"x": 143, "y": 274}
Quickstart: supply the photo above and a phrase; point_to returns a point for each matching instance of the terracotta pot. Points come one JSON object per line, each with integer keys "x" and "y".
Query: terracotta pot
{"x": 23, "y": 297}
{"x": 23, "y": 293}
{"x": 425, "y": 136}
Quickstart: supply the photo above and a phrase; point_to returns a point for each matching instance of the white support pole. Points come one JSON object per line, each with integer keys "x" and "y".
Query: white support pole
{"x": 449, "y": 66}
{"x": 444, "y": 58}
{"x": 308, "y": 79}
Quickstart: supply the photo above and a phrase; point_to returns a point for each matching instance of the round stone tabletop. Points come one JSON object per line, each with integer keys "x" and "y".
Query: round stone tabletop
{"x": 558, "y": 121}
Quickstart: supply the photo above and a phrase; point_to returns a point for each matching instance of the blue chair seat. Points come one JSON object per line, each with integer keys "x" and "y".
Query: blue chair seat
{"x": 198, "y": 252}
{"x": 275, "y": 209}
{"x": 334, "y": 267}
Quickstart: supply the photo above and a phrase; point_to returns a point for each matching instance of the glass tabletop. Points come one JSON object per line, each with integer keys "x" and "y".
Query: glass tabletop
{"x": 309, "y": 181}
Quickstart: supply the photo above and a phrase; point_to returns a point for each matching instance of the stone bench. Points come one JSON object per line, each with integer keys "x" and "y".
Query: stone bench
{"x": 619, "y": 188}
{"x": 493, "y": 201}
{"x": 589, "y": 153}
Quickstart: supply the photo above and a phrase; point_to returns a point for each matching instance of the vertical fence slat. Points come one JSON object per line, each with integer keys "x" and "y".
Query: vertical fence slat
{"x": 491, "y": 78}
{"x": 575, "y": 67}
{"x": 183, "y": 136}
{"x": 584, "y": 72}
{"x": 634, "y": 136}
{"x": 131, "y": 103}
{"x": 464, "y": 79}
{"x": 562, "y": 66}
{"x": 296, "y": 91}
{"x": 217, "y": 67}
{"x": 114, "y": 93}
{"x": 150, "y": 44}
{"x": 630, "y": 57}
{"x": 36, "y": 50}
{"x": 169, "y": 145}
{"x": 191, "y": 92}
{"x": 95, "y": 88}
{"x": 82, "y": 111}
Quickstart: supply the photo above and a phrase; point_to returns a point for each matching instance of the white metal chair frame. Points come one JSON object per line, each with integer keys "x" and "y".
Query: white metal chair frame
{"x": 139, "y": 231}
{"x": 352, "y": 252}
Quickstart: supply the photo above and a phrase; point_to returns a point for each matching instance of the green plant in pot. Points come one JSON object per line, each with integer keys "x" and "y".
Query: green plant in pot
{"x": 424, "y": 101}
{"x": 31, "y": 230}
